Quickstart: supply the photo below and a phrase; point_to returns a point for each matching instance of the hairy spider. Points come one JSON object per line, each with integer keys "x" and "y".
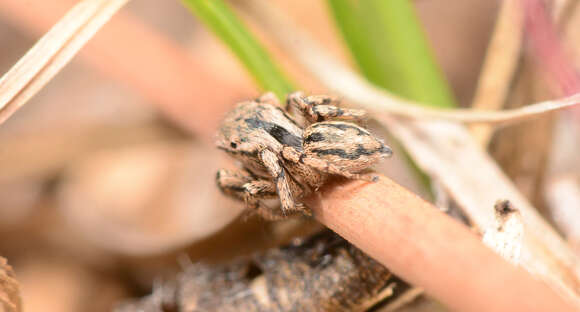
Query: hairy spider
{"x": 291, "y": 157}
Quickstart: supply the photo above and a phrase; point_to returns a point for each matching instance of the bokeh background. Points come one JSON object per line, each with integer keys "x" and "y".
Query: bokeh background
{"x": 107, "y": 176}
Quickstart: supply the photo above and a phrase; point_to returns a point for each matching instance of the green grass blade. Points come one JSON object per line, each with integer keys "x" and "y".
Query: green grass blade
{"x": 347, "y": 12}
{"x": 387, "y": 41}
{"x": 388, "y": 44}
{"x": 228, "y": 27}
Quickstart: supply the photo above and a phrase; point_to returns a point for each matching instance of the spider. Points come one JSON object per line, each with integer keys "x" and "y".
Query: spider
{"x": 291, "y": 156}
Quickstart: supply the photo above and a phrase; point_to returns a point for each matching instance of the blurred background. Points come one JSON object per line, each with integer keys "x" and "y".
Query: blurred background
{"x": 107, "y": 175}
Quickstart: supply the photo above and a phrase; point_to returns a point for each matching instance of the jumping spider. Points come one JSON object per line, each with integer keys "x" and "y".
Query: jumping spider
{"x": 291, "y": 157}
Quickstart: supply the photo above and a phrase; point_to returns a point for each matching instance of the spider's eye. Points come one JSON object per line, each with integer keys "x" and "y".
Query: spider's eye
{"x": 233, "y": 145}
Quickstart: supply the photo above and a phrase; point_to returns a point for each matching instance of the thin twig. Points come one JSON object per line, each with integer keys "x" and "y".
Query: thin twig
{"x": 52, "y": 52}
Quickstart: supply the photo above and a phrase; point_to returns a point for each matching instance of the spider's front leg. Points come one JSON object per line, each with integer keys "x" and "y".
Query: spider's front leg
{"x": 317, "y": 108}
{"x": 287, "y": 188}
{"x": 242, "y": 185}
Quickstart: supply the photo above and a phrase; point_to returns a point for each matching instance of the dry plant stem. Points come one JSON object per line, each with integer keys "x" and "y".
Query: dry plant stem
{"x": 445, "y": 151}
{"x": 429, "y": 249}
{"x": 52, "y": 52}
{"x": 499, "y": 66}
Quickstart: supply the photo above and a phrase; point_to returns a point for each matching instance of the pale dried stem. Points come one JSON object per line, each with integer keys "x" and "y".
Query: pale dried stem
{"x": 446, "y": 151}
{"x": 52, "y": 52}
{"x": 427, "y": 248}
{"x": 499, "y": 66}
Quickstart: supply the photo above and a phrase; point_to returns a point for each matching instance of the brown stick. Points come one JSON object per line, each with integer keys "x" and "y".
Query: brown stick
{"x": 428, "y": 249}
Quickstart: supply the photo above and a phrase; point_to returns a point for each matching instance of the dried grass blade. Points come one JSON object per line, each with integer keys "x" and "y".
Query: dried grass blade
{"x": 500, "y": 64}
{"x": 52, "y": 52}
